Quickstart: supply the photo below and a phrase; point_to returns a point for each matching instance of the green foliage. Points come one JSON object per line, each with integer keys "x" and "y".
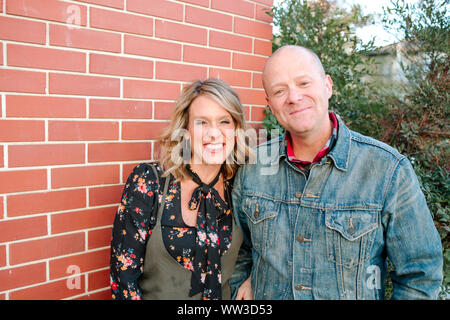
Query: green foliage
{"x": 414, "y": 119}
{"x": 418, "y": 121}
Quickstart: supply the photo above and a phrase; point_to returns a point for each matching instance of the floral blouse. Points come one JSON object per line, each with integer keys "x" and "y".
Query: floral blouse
{"x": 133, "y": 224}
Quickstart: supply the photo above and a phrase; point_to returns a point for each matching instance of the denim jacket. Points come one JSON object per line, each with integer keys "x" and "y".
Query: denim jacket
{"x": 328, "y": 236}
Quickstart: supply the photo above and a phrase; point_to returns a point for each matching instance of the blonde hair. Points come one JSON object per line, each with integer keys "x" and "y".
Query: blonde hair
{"x": 172, "y": 141}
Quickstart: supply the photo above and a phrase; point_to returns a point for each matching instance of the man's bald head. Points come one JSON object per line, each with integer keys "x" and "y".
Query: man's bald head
{"x": 292, "y": 49}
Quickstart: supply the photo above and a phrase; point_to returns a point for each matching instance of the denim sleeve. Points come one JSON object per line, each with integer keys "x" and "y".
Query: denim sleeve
{"x": 413, "y": 244}
{"x": 244, "y": 260}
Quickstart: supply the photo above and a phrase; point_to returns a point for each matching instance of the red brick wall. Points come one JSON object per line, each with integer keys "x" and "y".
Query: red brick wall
{"x": 85, "y": 88}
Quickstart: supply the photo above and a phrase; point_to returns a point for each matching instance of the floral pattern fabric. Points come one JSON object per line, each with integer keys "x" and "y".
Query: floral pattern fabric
{"x": 135, "y": 219}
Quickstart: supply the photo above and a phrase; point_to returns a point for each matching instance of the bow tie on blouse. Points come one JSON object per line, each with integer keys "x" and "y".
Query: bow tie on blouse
{"x": 206, "y": 276}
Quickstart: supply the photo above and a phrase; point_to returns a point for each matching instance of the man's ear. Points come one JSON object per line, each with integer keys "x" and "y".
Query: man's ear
{"x": 268, "y": 104}
{"x": 329, "y": 85}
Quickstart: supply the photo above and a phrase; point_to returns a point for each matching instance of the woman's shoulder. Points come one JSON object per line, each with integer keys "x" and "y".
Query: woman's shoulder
{"x": 147, "y": 171}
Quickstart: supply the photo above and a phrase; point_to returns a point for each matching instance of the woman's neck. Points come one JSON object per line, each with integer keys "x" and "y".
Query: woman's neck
{"x": 206, "y": 172}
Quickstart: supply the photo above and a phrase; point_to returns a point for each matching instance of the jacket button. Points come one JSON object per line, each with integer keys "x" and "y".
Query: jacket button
{"x": 300, "y": 239}
{"x": 256, "y": 214}
{"x": 298, "y": 287}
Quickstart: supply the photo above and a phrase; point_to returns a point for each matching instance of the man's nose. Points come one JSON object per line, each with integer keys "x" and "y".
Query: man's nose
{"x": 294, "y": 95}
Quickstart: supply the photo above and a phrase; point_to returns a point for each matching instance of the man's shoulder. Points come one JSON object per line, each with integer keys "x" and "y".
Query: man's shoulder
{"x": 374, "y": 145}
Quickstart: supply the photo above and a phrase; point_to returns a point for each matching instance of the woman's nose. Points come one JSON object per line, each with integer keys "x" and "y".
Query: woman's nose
{"x": 213, "y": 133}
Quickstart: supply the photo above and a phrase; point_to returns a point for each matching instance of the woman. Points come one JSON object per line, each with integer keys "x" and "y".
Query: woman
{"x": 174, "y": 235}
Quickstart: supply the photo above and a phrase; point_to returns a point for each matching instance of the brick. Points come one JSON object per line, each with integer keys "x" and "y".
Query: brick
{"x": 257, "y": 80}
{"x": 23, "y": 180}
{"x": 261, "y": 13}
{"x": 263, "y": 47}
{"x": 2, "y": 164}
{"x": 207, "y": 56}
{"x": 45, "y": 154}
{"x": 99, "y": 295}
{"x": 265, "y": 2}
{"x": 140, "y": 89}
{"x": 180, "y": 72}
{"x": 84, "y": 219}
{"x": 180, "y": 32}
{"x": 118, "y": 4}
{"x": 248, "y": 62}
{"x": 1, "y": 208}
{"x": 152, "y": 48}
{"x": 100, "y": 196}
{"x": 120, "y": 109}
{"x": 84, "y": 38}
{"x": 99, "y": 238}
{"x": 158, "y": 8}
{"x": 121, "y": 66}
{"x": 22, "y": 276}
{"x": 252, "y": 96}
{"x": 230, "y": 41}
{"x": 82, "y": 130}
{"x": 43, "y": 202}
{"x": 122, "y": 22}
{"x": 56, "y": 290}
{"x": 163, "y": 110}
{"x": 208, "y": 18}
{"x": 2, "y": 256}
{"x": 232, "y": 77}
{"x": 22, "y": 81}
{"x": 22, "y": 30}
{"x": 52, "y": 10}
{"x": 129, "y": 151}
{"x": 253, "y": 28}
{"x": 257, "y": 113}
{"x": 84, "y": 85}
{"x": 99, "y": 279}
{"x": 142, "y": 130}
{"x": 49, "y": 247}
{"x": 45, "y": 107}
{"x": 45, "y": 58}
{"x": 1, "y": 52}
{"x": 22, "y": 130}
{"x": 18, "y": 229}
{"x": 86, "y": 262}
{"x": 85, "y": 176}
{"x": 240, "y": 7}
{"x": 203, "y": 3}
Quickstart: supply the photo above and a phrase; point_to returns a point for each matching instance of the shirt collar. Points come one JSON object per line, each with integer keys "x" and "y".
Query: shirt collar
{"x": 322, "y": 153}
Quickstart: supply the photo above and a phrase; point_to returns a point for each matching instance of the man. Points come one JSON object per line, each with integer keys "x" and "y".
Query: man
{"x": 322, "y": 223}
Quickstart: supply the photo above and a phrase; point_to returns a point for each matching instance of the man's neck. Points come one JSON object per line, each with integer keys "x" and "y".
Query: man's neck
{"x": 306, "y": 146}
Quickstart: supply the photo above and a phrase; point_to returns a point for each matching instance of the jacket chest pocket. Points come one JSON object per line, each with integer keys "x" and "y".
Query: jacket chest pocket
{"x": 261, "y": 214}
{"x": 350, "y": 235}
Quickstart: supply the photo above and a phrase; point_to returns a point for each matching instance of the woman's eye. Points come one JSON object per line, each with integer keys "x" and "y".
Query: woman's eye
{"x": 225, "y": 122}
{"x": 200, "y": 122}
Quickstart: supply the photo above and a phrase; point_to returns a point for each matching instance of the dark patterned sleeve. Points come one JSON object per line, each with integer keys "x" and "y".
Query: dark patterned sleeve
{"x": 133, "y": 223}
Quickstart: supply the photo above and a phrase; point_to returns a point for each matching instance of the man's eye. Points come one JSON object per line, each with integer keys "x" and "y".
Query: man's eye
{"x": 278, "y": 92}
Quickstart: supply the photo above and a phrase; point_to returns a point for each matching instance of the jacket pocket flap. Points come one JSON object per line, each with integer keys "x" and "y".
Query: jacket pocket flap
{"x": 351, "y": 224}
{"x": 258, "y": 209}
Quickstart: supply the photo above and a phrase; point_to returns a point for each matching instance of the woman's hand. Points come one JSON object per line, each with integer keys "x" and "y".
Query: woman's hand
{"x": 245, "y": 290}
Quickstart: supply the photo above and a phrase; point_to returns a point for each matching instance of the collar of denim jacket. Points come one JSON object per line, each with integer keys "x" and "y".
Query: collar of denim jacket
{"x": 341, "y": 151}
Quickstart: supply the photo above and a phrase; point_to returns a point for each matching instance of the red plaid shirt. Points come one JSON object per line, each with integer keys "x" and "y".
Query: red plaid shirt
{"x": 322, "y": 153}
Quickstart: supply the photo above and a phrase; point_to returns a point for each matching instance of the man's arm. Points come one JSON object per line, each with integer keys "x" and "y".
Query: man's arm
{"x": 243, "y": 265}
{"x": 412, "y": 242}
